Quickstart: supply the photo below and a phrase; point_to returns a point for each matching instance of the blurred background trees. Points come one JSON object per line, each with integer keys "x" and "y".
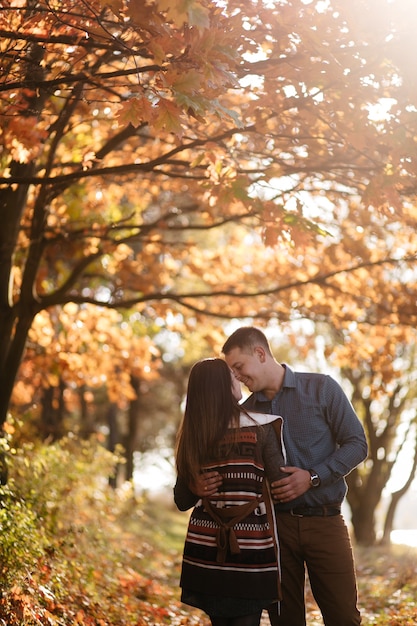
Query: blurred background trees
{"x": 167, "y": 169}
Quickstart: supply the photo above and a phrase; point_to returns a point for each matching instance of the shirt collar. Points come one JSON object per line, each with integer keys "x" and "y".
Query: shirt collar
{"x": 289, "y": 381}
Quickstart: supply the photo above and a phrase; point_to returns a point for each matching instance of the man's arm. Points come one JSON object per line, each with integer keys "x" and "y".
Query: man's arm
{"x": 348, "y": 433}
{"x": 346, "y": 430}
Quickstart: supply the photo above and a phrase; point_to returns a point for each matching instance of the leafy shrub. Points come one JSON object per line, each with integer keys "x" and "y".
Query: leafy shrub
{"x": 54, "y": 479}
{"x": 69, "y": 557}
{"x": 40, "y": 506}
{"x": 22, "y": 541}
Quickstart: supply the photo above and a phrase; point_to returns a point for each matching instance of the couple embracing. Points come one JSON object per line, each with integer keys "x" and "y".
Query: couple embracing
{"x": 266, "y": 479}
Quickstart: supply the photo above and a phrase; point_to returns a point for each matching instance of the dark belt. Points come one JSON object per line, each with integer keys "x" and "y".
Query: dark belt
{"x": 314, "y": 511}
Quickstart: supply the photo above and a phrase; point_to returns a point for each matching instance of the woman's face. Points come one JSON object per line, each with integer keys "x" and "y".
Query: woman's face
{"x": 236, "y": 388}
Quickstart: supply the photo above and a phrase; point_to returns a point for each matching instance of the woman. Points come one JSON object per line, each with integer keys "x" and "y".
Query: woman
{"x": 230, "y": 561}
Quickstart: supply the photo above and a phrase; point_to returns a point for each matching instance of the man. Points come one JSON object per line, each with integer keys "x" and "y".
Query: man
{"x": 324, "y": 441}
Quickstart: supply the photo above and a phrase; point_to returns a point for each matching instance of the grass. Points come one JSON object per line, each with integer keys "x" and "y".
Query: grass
{"x": 387, "y": 583}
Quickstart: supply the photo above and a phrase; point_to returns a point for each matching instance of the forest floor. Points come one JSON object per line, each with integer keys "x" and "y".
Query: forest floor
{"x": 387, "y": 575}
{"x": 126, "y": 574}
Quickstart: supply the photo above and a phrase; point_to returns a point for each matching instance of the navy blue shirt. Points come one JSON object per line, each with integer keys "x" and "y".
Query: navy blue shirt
{"x": 321, "y": 432}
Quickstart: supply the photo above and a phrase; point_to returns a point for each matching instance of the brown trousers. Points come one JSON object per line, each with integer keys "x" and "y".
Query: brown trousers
{"x": 322, "y": 545}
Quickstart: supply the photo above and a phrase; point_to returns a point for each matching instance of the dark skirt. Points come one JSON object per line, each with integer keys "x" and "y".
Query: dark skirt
{"x": 220, "y": 606}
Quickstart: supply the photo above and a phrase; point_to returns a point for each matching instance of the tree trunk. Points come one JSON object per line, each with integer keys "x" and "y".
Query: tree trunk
{"x": 395, "y": 499}
{"x": 53, "y": 410}
{"x": 8, "y": 372}
{"x": 16, "y": 317}
{"x": 363, "y": 497}
{"x": 363, "y": 523}
{"x": 389, "y": 518}
{"x": 87, "y": 427}
{"x": 133, "y": 425}
{"x": 113, "y": 441}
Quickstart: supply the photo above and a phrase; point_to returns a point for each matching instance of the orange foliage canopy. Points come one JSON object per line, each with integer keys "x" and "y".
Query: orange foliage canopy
{"x": 230, "y": 159}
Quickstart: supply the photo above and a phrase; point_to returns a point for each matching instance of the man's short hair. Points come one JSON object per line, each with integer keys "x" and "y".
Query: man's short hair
{"x": 246, "y": 339}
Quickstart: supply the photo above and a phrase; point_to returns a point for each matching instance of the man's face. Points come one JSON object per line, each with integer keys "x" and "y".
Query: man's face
{"x": 236, "y": 388}
{"x": 246, "y": 367}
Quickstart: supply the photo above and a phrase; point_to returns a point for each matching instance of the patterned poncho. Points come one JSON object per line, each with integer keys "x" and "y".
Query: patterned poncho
{"x": 231, "y": 546}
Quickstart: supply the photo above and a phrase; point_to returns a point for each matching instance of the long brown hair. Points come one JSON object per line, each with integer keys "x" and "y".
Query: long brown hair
{"x": 209, "y": 411}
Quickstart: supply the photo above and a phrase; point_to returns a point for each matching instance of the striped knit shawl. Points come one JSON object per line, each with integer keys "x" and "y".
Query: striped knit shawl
{"x": 247, "y": 565}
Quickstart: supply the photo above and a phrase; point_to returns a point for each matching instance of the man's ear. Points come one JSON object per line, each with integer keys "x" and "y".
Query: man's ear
{"x": 260, "y": 353}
